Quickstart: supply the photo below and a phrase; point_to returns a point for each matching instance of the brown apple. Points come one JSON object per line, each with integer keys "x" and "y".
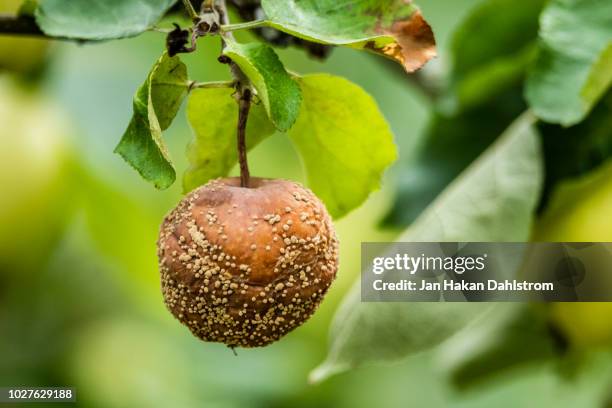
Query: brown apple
{"x": 245, "y": 266}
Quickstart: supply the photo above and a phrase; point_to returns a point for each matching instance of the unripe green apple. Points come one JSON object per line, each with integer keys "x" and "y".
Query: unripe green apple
{"x": 581, "y": 210}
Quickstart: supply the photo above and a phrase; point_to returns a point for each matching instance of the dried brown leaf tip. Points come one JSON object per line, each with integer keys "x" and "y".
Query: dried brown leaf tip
{"x": 414, "y": 43}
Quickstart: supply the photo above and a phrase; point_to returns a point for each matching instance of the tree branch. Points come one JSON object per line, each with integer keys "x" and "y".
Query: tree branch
{"x": 248, "y": 10}
{"x": 19, "y": 25}
{"x": 212, "y": 84}
{"x": 249, "y": 25}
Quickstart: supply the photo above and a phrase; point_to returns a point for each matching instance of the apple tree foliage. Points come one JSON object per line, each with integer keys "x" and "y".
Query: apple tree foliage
{"x": 337, "y": 128}
{"x": 524, "y": 107}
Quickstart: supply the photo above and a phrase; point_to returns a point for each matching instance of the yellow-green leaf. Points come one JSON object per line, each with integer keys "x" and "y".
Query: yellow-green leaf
{"x": 344, "y": 141}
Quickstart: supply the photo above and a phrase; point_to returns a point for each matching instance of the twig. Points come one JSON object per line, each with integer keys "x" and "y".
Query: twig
{"x": 19, "y": 25}
{"x": 244, "y": 26}
{"x": 156, "y": 29}
{"x": 244, "y": 94}
{"x": 190, "y": 10}
{"x": 213, "y": 84}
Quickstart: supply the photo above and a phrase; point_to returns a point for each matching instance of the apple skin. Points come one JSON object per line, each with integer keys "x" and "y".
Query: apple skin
{"x": 34, "y": 166}
{"x": 581, "y": 211}
{"x": 246, "y": 266}
{"x": 20, "y": 53}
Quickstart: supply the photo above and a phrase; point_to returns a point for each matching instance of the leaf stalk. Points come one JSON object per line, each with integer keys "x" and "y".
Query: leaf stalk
{"x": 244, "y": 26}
{"x": 213, "y": 84}
{"x": 190, "y": 10}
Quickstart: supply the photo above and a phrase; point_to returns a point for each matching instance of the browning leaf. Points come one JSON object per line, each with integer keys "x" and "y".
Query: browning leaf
{"x": 414, "y": 43}
{"x": 395, "y": 29}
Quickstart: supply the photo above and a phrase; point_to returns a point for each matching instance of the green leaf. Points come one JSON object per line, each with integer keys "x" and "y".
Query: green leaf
{"x": 213, "y": 114}
{"x": 169, "y": 85}
{"x": 367, "y": 333}
{"x": 156, "y": 103}
{"x": 492, "y": 50}
{"x": 494, "y": 30}
{"x": 28, "y": 8}
{"x": 99, "y": 19}
{"x": 493, "y": 200}
{"x": 574, "y": 67}
{"x": 279, "y": 93}
{"x": 450, "y": 144}
{"x": 512, "y": 335}
{"x": 343, "y": 140}
{"x": 392, "y": 28}
{"x": 494, "y": 80}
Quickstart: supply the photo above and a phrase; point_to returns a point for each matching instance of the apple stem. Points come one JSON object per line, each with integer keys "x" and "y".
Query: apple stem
{"x": 244, "y": 105}
{"x": 243, "y": 94}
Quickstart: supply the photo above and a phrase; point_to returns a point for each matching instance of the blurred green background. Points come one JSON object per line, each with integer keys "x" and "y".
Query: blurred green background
{"x": 80, "y": 303}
